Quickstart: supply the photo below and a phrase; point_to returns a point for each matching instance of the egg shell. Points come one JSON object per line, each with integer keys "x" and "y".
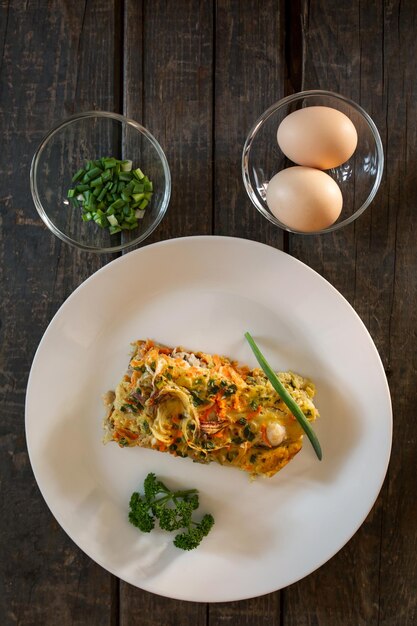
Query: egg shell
{"x": 317, "y": 136}
{"x": 304, "y": 199}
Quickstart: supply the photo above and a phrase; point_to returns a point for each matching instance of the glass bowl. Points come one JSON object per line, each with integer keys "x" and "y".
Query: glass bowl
{"x": 358, "y": 178}
{"x": 67, "y": 148}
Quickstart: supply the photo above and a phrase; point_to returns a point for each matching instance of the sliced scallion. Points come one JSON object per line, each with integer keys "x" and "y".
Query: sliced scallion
{"x": 111, "y": 193}
{"x": 78, "y": 175}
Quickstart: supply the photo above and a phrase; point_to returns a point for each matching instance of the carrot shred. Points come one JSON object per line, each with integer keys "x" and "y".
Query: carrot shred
{"x": 236, "y": 402}
{"x": 253, "y": 414}
{"x": 265, "y": 436}
{"x": 162, "y": 350}
{"x": 127, "y": 433}
{"x": 134, "y": 377}
{"x": 217, "y": 361}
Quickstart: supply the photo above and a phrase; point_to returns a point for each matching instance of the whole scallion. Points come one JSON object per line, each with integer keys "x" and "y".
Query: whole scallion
{"x": 111, "y": 193}
{"x": 285, "y": 396}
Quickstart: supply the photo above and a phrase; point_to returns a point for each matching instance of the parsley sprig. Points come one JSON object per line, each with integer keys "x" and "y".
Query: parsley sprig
{"x": 172, "y": 509}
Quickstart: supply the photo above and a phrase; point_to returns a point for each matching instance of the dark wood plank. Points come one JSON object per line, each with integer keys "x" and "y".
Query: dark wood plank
{"x": 398, "y": 567}
{"x": 253, "y": 612}
{"x": 249, "y": 77}
{"x": 169, "y": 90}
{"x": 149, "y": 609}
{"x": 48, "y": 70}
{"x": 336, "y": 32}
{"x": 348, "y": 50}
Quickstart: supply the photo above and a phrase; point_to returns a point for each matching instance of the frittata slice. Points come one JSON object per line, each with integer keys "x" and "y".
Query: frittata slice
{"x": 208, "y": 408}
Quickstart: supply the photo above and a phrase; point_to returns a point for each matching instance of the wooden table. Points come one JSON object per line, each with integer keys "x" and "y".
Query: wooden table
{"x": 198, "y": 74}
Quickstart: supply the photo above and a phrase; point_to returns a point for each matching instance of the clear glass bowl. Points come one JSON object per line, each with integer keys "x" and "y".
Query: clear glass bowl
{"x": 89, "y": 136}
{"x": 358, "y": 178}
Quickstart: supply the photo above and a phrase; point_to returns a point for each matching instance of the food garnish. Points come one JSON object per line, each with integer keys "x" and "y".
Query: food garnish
{"x": 208, "y": 408}
{"x": 111, "y": 193}
{"x": 285, "y": 396}
{"x": 172, "y": 509}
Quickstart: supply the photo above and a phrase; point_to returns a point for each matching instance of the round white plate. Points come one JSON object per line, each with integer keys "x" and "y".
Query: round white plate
{"x": 204, "y": 293}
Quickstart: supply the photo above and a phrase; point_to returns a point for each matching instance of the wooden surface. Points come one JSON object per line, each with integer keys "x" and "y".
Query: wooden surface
{"x": 198, "y": 74}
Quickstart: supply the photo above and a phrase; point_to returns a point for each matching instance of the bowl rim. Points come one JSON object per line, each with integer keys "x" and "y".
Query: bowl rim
{"x": 273, "y": 109}
{"x": 38, "y": 203}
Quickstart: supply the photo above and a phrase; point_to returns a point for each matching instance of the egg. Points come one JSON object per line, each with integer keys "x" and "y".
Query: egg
{"x": 317, "y": 136}
{"x": 304, "y": 199}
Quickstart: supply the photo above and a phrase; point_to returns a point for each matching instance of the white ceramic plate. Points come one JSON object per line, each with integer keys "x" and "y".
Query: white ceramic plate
{"x": 204, "y": 293}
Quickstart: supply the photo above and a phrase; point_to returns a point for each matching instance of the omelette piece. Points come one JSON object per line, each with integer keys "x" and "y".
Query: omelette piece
{"x": 208, "y": 408}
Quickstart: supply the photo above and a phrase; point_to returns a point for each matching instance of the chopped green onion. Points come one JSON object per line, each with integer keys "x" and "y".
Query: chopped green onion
{"x": 112, "y": 220}
{"x": 94, "y": 172}
{"x": 126, "y": 166}
{"x": 101, "y": 194}
{"x": 118, "y": 204}
{"x": 96, "y": 181}
{"x": 138, "y": 173}
{"x": 106, "y": 175}
{"x": 285, "y": 396}
{"x": 78, "y": 175}
{"x": 111, "y": 193}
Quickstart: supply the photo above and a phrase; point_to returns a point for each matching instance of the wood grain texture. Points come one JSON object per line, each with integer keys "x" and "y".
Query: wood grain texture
{"x": 47, "y": 71}
{"x": 354, "y": 49}
{"x": 398, "y": 568}
{"x": 249, "y": 77}
{"x": 168, "y": 88}
{"x": 148, "y": 609}
{"x": 253, "y": 612}
{"x": 337, "y": 49}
